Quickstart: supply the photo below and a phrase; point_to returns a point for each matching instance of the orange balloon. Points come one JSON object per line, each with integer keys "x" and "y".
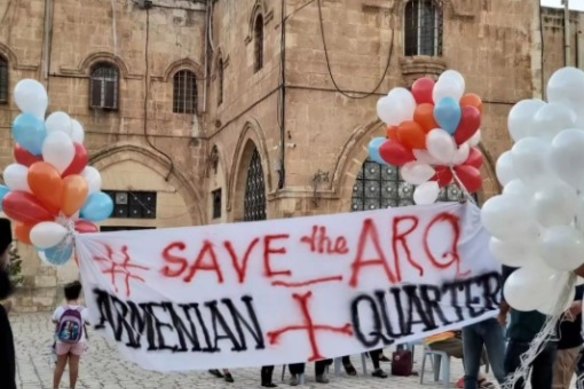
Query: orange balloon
{"x": 46, "y": 184}
{"x": 22, "y": 232}
{"x": 472, "y": 100}
{"x": 392, "y": 133}
{"x": 424, "y": 116}
{"x": 75, "y": 191}
{"x": 412, "y": 135}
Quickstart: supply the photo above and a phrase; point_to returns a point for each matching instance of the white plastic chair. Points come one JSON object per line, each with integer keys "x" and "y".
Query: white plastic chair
{"x": 440, "y": 362}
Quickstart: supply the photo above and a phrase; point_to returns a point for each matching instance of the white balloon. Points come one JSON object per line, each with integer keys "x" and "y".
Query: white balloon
{"x": 551, "y": 119}
{"x": 427, "y": 193}
{"x": 441, "y": 146}
{"x": 93, "y": 178}
{"x": 514, "y": 254}
{"x": 518, "y": 188}
{"x": 562, "y": 248}
{"x": 504, "y": 169}
{"x": 521, "y": 117}
{"x": 566, "y": 85}
{"x": 450, "y": 84}
{"x": 461, "y": 155}
{"x": 77, "y": 132}
{"x": 526, "y": 288}
{"x": 398, "y": 106}
{"x": 529, "y": 160}
{"x": 58, "y": 150}
{"x": 475, "y": 139}
{"x": 16, "y": 177}
{"x": 509, "y": 218}
{"x": 31, "y": 97}
{"x": 424, "y": 156}
{"x": 47, "y": 234}
{"x": 560, "y": 297}
{"x": 416, "y": 173}
{"x": 59, "y": 121}
{"x": 555, "y": 204}
{"x": 566, "y": 158}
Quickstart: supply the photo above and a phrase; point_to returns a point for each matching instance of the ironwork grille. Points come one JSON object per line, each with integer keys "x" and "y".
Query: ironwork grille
{"x": 423, "y": 28}
{"x": 185, "y": 92}
{"x": 380, "y": 186}
{"x": 255, "y": 190}
{"x": 104, "y": 87}
{"x": 258, "y": 37}
{"x": 133, "y": 205}
{"x": 3, "y": 80}
{"x": 220, "y": 86}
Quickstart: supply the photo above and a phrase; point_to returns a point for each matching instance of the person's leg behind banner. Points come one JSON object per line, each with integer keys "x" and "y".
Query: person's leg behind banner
{"x": 472, "y": 343}
{"x": 542, "y": 368}
{"x": 348, "y": 365}
{"x": 296, "y": 370}
{"x": 320, "y": 370}
{"x": 267, "y": 372}
{"x": 513, "y": 360}
{"x": 494, "y": 340}
{"x": 375, "y": 358}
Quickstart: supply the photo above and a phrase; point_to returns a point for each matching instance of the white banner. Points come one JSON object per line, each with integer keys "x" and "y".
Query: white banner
{"x": 291, "y": 290}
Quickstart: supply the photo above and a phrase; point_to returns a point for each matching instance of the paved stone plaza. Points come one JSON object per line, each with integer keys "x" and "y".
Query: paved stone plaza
{"x": 102, "y": 367}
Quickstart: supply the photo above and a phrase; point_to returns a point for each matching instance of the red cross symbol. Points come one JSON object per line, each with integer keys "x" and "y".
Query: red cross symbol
{"x": 309, "y": 326}
{"x": 125, "y": 267}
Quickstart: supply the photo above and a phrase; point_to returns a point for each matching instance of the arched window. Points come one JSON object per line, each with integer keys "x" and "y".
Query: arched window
{"x": 220, "y": 82}
{"x": 380, "y": 186}
{"x": 258, "y": 42}
{"x": 4, "y": 87}
{"x": 185, "y": 92}
{"x": 423, "y": 28}
{"x": 104, "y": 86}
{"x": 254, "y": 201}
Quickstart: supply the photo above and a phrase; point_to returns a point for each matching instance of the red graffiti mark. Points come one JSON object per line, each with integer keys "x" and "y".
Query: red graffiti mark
{"x": 167, "y": 255}
{"x": 321, "y": 243}
{"x": 369, "y": 233}
{"x": 207, "y": 251}
{"x": 124, "y": 267}
{"x": 452, "y": 256}
{"x": 269, "y": 251}
{"x": 309, "y": 282}
{"x": 401, "y": 237}
{"x": 310, "y": 328}
{"x": 241, "y": 270}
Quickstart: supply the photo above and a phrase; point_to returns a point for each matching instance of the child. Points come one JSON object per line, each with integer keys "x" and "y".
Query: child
{"x": 71, "y": 339}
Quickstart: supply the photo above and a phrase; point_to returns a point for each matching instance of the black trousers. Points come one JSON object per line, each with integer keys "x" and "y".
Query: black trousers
{"x": 319, "y": 367}
{"x": 267, "y": 372}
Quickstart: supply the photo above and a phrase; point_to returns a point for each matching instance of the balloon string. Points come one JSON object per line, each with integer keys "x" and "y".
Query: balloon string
{"x": 462, "y": 187}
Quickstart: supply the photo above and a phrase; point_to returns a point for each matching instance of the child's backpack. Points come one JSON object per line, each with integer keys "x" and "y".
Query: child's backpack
{"x": 70, "y": 327}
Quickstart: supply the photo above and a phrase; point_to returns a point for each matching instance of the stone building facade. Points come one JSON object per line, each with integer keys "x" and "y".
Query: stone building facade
{"x": 219, "y": 111}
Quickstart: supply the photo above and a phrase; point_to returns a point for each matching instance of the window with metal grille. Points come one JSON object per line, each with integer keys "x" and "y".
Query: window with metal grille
{"x": 423, "y": 28}
{"x": 380, "y": 186}
{"x": 258, "y": 41}
{"x": 255, "y": 191}
{"x": 3, "y": 80}
{"x": 104, "y": 86}
{"x": 133, "y": 205}
{"x": 185, "y": 92}
{"x": 216, "y": 197}
{"x": 220, "y": 82}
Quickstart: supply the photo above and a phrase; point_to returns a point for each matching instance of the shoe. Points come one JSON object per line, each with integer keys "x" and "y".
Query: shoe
{"x": 350, "y": 369}
{"x": 294, "y": 380}
{"x": 229, "y": 377}
{"x": 383, "y": 358}
{"x": 321, "y": 379}
{"x": 269, "y": 385}
{"x": 216, "y": 373}
{"x": 379, "y": 374}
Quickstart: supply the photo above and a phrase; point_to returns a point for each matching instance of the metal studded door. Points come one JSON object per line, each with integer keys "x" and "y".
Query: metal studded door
{"x": 255, "y": 190}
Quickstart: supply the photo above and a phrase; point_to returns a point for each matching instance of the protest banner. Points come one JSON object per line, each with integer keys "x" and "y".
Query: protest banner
{"x": 290, "y": 290}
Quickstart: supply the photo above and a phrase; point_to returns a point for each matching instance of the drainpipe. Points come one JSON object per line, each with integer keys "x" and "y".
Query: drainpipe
{"x": 567, "y": 51}
{"x": 282, "y": 113}
{"x": 47, "y": 46}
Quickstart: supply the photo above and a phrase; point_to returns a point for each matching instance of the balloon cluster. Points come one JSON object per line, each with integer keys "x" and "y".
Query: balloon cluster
{"x": 432, "y": 135}
{"x": 538, "y": 222}
{"x": 50, "y": 191}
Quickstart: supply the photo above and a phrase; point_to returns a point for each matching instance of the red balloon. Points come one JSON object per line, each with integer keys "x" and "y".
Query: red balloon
{"x": 24, "y": 157}
{"x": 469, "y": 124}
{"x": 25, "y": 208}
{"x": 470, "y": 177}
{"x": 395, "y": 153}
{"x": 443, "y": 176}
{"x": 475, "y": 158}
{"x": 79, "y": 161}
{"x": 422, "y": 90}
{"x": 85, "y": 227}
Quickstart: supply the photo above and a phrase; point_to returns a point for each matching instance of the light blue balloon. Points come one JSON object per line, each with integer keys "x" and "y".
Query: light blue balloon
{"x": 98, "y": 207}
{"x": 374, "y": 147}
{"x": 4, "y": 190}
{"x": 60, "y": 254}
{"x": 448, "y": 114}
{"x": 30, "y": 132}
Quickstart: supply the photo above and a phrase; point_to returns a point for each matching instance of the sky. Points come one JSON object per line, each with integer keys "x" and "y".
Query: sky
{"x": 574, "y": 4}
